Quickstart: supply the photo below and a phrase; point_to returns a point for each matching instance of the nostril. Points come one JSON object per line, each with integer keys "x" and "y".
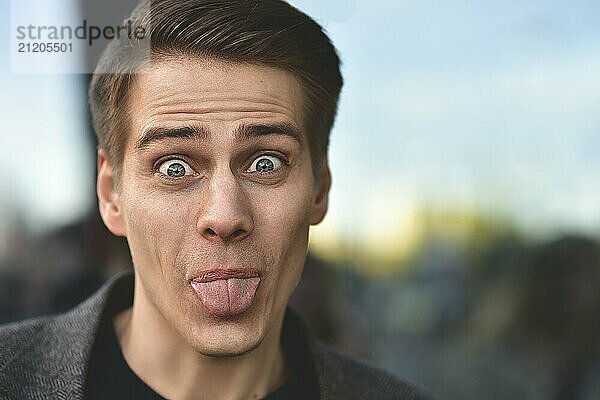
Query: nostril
{"x": 214, "y": 233}
{"x": 210, "y": 232}
{"x": 238, "y": 233}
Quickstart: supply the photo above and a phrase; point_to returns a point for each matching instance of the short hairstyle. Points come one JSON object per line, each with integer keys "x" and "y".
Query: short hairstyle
{"x": 262, "y": 32}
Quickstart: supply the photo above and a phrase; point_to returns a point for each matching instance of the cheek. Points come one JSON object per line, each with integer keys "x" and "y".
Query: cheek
{"x": 282, "y": 224}
{"x": 155, "y": 230}
{"x": 283, "y": 214}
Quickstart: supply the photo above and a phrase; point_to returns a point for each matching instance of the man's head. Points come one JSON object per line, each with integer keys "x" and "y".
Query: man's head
{"x": 216, "y": 157}
{"x": 260, "y": 32}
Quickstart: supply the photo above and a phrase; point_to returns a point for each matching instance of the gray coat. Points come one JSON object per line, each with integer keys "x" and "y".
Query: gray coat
{"x": 46, "y": 358}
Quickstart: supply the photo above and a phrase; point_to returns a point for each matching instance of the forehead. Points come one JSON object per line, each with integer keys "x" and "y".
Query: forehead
{"x": 207, "y": 91}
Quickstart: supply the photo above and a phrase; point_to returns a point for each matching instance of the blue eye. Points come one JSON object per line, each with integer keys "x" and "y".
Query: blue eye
{"x": 265, "y": 164}
{"x": 175, "y": 168}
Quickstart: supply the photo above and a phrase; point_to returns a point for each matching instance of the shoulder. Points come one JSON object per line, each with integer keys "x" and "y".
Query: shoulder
{"x": 47, "y": 357}
{"x": 52, "y": 337}
{"x": 342, "y": 376}
{"x": 18, "y": 345}
{"x": 16, "y": 337}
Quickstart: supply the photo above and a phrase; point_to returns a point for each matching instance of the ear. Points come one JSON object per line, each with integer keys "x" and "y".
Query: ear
{"x": 321, "y": 194}
{"x": 109, "y": 202}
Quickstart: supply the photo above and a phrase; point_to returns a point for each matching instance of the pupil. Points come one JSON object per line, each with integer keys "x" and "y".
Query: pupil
{"x": 176, "y": 170}
{"x": 264, "y": 165}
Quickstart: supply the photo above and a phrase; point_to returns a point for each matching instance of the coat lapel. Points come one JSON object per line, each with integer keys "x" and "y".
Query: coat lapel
{"x": 50, "y": 359}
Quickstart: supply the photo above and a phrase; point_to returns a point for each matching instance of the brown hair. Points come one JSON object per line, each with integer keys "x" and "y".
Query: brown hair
{"x": 263, "y": 32}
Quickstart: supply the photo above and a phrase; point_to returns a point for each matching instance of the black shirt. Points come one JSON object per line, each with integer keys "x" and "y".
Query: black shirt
{"x": 109, "y": 376}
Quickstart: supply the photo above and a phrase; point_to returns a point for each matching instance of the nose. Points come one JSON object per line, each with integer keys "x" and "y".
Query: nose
{"x": 225, "y": 213}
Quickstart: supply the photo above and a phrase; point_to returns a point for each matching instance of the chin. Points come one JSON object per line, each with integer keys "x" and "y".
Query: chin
{"x": 228, "y": 338}
{"x": 228, "y": 350}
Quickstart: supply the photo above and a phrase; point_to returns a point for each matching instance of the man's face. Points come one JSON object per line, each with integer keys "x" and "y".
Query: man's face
{"x": 216, "y": 198}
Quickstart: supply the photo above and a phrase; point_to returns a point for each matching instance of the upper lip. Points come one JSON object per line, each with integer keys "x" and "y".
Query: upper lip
{"x": 225, "y": 273}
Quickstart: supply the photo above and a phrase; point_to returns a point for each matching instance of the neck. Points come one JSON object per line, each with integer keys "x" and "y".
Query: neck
{"x": 162, "y": 358}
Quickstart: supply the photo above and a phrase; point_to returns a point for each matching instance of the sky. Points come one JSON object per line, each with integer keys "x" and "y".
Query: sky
{"x": 485, "y": 105}
{"x": 488, "y": 105}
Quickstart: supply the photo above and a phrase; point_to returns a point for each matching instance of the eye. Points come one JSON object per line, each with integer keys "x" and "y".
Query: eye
{"x": 265, "y": 164}
{"x": 175, "y": 168}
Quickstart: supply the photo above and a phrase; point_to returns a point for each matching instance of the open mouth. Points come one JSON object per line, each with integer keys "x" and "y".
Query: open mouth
{"x": 226, "y": 293}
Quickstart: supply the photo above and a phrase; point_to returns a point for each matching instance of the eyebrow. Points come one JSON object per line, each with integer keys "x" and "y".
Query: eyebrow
{"x": 250, "y": 131}
{"x": 152, "y": 135}
{"x": 199, "y": 132}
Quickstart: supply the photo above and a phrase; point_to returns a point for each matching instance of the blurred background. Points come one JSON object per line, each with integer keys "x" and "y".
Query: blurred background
{"x": 461, "y": 246}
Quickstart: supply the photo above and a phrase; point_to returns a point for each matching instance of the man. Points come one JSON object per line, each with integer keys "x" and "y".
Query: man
{"x": 212, "y": 163}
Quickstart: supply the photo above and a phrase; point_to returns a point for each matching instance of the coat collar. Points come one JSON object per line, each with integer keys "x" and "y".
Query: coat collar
{"x": 50, "y": 358}
{"x": 53, "y": 357}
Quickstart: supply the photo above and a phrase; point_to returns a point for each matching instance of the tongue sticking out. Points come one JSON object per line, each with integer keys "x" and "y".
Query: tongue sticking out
{"x": 227, "y": 297}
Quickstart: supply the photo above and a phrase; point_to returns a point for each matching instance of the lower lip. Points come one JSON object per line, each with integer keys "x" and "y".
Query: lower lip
{"x": 226, "y": 294}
